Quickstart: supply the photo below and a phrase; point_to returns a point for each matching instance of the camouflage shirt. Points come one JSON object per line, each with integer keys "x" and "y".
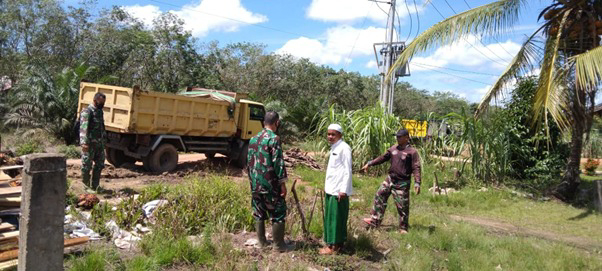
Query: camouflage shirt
{"x": 92, "y": 125}
{"x": 266, "y": 163}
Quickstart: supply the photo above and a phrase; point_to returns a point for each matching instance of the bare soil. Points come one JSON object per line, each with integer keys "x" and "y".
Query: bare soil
{"x": 131, "y": 178}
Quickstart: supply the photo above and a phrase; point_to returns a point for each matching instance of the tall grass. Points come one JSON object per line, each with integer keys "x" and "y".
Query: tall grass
{"x": 369, "y": 131}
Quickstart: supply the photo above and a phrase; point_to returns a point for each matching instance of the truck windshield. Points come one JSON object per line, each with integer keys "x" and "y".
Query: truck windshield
{"x": 257, "y": 112}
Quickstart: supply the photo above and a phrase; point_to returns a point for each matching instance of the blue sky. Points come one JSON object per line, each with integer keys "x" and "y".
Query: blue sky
{"x": 340, "y": 34}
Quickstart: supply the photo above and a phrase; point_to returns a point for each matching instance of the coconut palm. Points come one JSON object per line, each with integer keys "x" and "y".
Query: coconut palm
{"x": 566, "y": 47}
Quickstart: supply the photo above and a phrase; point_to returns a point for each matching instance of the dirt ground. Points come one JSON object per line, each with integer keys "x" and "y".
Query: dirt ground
{"x": 131, "y": 178}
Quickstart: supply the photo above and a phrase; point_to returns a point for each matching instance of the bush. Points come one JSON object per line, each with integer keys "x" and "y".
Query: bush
{"x": 590, "y": 166}
{"x": 29, "y": 147}
{"x": 70, "y": 151}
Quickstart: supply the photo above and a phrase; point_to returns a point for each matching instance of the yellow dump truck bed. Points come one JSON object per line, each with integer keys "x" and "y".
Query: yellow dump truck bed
{"x": 136, "y": 111}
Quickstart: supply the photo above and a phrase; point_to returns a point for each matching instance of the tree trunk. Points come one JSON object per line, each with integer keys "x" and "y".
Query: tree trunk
{"x": 570, "y": 182}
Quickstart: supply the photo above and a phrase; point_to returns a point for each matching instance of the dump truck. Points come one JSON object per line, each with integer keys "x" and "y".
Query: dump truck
{"x": 153, "y": 127}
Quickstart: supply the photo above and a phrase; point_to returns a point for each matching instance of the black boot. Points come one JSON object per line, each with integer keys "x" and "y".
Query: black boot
{"x": 96, "y": 178}
{"x": 278, "y": 234}
{"x": 260, "y": 228}
{"x": 86, "y": 178}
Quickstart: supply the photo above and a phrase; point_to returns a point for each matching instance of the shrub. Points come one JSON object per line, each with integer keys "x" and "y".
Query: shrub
{"x": 29, "y": 147}
{"x": 70, "y": 151}
{"x": 590, "y": 166}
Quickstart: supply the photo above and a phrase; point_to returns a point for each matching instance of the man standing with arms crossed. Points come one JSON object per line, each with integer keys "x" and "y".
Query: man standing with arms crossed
{"x": 91, "y": 139}
{"x": 405, "y": 162}
{"x": 267, "y": 174}
{"x": 338, "y": 189}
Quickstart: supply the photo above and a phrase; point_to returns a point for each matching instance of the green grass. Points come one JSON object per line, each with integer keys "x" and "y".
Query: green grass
{"x": 435, "y": 242}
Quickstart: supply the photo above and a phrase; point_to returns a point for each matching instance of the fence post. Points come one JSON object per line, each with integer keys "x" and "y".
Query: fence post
{"x": 42, "y": 212}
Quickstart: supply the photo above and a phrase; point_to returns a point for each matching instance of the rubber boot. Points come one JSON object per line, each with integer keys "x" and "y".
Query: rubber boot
{"x": 86, "y": 178}
{"x": 260, "y": 229}
{"x": 96, "y": 178}
{"x": 278, "y": 234}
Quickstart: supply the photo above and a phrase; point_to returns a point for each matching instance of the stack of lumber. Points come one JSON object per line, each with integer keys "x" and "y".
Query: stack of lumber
{"x": 10, "y": 189}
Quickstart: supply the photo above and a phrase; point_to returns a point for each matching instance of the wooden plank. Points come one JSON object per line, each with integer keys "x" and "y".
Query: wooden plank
{"x": 6, "y": 227}
{"x": 10, "y": 201}
{"x": 9, "y": 264}
{"x": 14, "y": 253}
{"x": 6, "y": 191}
{"x": 7, "y": 236}
{"x": 11, "y": 167}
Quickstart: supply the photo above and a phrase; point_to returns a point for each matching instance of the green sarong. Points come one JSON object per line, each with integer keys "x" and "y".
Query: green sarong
{"x": 335, "y": 219}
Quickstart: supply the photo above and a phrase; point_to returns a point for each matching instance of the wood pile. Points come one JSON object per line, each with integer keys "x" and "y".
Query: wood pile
{"x": 10, "y": 206}
{"x": 295, "y": 157}
{"x": 10, "y": 164}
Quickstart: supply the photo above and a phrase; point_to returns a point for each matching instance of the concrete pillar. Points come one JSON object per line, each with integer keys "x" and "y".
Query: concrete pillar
{"x": 42, "y": 212}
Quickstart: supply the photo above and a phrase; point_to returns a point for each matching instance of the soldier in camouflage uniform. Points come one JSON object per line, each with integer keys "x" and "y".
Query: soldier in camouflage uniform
{"x": 91, "y": 137}
{"x": 267, "y": 175}
{"x": 405, "y": 162}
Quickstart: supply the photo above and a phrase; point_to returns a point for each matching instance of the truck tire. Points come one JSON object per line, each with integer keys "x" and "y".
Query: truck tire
{"x": 164, "y": 158}
{"x": 117, "y": 157}
{"x": 210, "y": 155}
{"x": 241, "y": 161}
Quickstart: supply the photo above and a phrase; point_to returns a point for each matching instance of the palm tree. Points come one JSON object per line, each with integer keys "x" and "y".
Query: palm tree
{"x": 570, "y": 61}
{"x": 48, "y": 102}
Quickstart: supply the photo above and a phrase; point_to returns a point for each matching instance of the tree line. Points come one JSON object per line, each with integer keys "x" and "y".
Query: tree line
{"x": 46, "y": 49}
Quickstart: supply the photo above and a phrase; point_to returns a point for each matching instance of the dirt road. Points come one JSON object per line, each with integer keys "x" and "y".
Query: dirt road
{"x": 134, "y": 177}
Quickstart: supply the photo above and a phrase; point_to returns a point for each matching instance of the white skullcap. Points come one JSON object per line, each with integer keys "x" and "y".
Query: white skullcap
{"x": 335, "y": 127}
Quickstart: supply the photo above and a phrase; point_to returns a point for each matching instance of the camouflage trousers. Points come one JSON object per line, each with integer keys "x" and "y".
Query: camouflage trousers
{"x": 401, "y": 195}
{"x": 264, "y": 204}
{"x": 96, "y": 154}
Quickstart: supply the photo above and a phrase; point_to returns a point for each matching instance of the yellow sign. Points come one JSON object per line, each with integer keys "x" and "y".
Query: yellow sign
{"x": 415, "y": 127}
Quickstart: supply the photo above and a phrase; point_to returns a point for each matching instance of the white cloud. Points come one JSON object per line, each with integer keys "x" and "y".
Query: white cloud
{"x": 350, "y": 10}
{"x": 463, "y": 54}
{"x": 205, "y": 16}
{"x": 371, "y": 64}
{"x": 337, "y": 46}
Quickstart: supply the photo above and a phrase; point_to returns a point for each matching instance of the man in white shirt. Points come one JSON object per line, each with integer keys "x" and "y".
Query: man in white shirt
{"x": 338, "y": 189}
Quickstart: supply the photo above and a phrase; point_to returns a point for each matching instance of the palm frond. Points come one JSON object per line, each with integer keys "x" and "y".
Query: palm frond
{"x": 491, "y": 19}
{"x": 520, "y": 64}
{"x": 548, "y": 98}
{"x": 588, "y": 68}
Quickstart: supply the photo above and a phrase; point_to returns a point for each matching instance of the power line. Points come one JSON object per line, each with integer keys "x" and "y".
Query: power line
{"x": 451, "y": 69}
{"x": 358, "y": 36}
{"x": 494, "y": 38}
{"x": 451, "y": 74}
{"x": 480, "y": 41}
{"x": 417, "y": 18}
{"x": 469, "y": 43}
{"x": 411, "y": 20}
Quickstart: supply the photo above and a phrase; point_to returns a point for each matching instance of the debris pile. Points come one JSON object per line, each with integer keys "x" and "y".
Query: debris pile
{"x": 87, "y": 201}
{"x": 8, "y": 159}
{"x": 295, "y": 157}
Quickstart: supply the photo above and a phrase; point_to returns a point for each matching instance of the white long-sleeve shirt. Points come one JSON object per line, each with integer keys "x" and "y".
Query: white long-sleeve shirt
{"x": 338, "y": 173}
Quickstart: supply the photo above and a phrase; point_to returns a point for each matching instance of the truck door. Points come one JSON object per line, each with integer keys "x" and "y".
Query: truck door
{"x": 255, "y": 121}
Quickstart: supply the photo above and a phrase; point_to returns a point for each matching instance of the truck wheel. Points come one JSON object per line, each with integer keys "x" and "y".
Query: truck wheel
{"x": 117, "y": 157}
{"x": 164, "y": 158}
{"x": 242, "y": 157}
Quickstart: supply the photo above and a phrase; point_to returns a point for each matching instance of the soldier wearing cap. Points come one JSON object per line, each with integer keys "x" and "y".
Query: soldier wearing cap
{"x": 405, "y": 162}
{"x": 337, "y": 188}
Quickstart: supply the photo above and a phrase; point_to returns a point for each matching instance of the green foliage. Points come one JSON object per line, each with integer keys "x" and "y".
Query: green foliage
{"x": 29, "y": 147}
{"x": 535, "y": 153}
{"x": 163, "y": 249}
{"x": 95, "y": 259}
{"x": 70, "y": 151}
{"x": 369, "y": 131}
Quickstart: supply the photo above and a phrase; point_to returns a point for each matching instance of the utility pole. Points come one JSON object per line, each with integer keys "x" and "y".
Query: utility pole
{"x": 389, "y": 51}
